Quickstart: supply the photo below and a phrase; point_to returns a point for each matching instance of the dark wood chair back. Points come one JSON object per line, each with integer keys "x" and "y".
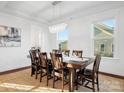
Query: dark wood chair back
{"x": 67, "y": 52}
{"x": 78, "y": 53}
{"x": 96, "y": 65}
{"x": 55, "y": 51}
{"x": 34, "y": 62}
{"x": 43, "y": 59}
{"x": 56, "y": 60}
{"x": 33, "y": 56}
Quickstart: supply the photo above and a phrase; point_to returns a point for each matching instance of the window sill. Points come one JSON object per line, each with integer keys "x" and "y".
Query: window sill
{"x": 106, "y": 58}
{"x": 111, "y": 58}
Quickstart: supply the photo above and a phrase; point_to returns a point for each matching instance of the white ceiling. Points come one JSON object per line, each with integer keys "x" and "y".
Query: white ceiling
{"x": 44, "y": 11}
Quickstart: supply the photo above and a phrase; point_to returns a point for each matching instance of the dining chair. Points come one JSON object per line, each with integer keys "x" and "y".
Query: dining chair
{"x": 34, "y": 62}
{"x": 77, "y": 53}
{"x": 59, "y": 71}
{"x": 91, "y": 75}
{"x": 44, "y": 66}
{"x": 66, "y": 52}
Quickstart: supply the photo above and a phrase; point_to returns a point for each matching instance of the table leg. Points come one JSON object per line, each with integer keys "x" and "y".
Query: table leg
{"x": 71, "y": 78}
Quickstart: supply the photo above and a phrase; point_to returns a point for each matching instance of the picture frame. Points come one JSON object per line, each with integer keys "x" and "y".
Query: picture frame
{"x": 10, "y": 36}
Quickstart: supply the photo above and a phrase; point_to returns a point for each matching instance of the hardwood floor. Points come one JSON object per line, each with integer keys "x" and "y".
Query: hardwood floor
{"x": 22, "y": 81}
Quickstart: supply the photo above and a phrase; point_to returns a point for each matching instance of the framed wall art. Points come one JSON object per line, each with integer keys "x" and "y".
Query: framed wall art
{"x": 10, "y": 36}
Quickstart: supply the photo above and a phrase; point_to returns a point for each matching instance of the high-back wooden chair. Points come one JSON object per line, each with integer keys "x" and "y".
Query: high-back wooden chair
{"x": 92, "y": 75}
{"x": 43, "y": 66}
{"x": 67, "y": 52}
{"x": 58, "y": 68}
{"x": 34, "y": 62}
{"x": 77, "y": 53}
{"x": 43, "y": 63}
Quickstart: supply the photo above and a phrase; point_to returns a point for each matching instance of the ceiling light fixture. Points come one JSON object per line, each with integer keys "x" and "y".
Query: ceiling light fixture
{"x": 58, "y": 27}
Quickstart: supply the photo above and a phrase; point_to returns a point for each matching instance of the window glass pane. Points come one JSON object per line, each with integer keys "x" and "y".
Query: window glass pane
{"x": 102, "y": 47}
{"x": 63, "y": 39}
{"x": 63, "y": 35}
{"x": 103, "y": 37}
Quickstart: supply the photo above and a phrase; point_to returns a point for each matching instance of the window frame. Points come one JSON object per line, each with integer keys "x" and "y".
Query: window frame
{"x": 57, "y": 39}
{"x": 115, "y": 38}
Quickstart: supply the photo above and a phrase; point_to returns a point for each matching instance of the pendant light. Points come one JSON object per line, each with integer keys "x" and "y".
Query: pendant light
{"x": 57, "y": 27}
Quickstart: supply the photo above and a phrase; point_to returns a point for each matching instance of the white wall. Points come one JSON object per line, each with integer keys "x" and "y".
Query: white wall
{"x": 40, "y": 37}
{"x": 16, "y": 57}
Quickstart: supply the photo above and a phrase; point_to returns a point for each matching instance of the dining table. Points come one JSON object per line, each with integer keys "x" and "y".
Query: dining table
{"x": 74, "y": 63}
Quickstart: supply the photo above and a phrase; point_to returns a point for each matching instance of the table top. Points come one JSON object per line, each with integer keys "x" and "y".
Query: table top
{"x": 75, "y": 62}
{"x": 76, "y": 59}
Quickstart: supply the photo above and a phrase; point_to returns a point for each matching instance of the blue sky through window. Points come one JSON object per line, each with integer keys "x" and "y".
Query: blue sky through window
{"x": 109, "y": 22}
{"x": 63, "y": 35}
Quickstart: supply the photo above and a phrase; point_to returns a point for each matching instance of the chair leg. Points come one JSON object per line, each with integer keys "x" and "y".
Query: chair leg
{"x": 31, "y": 72}
{"x": 53, "y": 79}
{"x": 41, "y": 75}
{"x": 97, "y": 80}
{"x": 36, "y": 74}
{"x": 62, "y": 81}
{"x": 83, "y": 80}
{"x": 47, "y": 78}
{"x": 76, "y": 81}
{"x": 93, "y": 84}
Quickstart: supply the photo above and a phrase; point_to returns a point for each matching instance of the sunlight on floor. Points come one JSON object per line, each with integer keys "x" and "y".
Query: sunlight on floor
{"x": 16, "y": 86}
{"x": 28, "y": 87}
{"x": 45, "y": 89}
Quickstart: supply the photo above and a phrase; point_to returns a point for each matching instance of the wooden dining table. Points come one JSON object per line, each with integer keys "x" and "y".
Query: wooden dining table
{"x": 74, "y": 63}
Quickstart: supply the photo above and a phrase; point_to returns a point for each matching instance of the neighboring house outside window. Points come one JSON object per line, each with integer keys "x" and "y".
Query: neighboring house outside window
{"x": 104, "y": 37}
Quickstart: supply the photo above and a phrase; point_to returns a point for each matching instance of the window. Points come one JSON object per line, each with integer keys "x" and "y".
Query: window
{"x": 63, "y": 39}
{"x": 103, "y": 37}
